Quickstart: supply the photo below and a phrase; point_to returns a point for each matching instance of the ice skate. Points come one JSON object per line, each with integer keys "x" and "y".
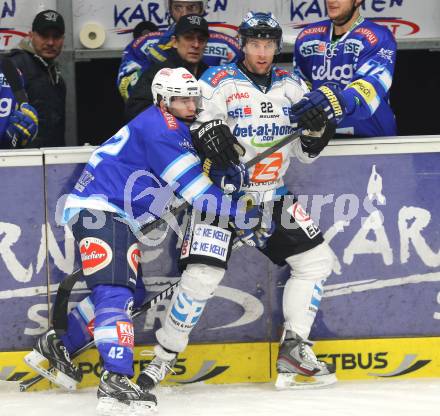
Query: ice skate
{"x": 49, "y": 347}
{"x": 161, "y": 365}
{"x": 118, "y": 396}
{"x": 298, "y": 366}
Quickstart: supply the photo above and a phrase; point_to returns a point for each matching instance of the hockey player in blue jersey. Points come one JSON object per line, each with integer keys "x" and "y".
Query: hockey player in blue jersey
{"x": 153, "y": 47}
{"x": 18, "y": 123}
{"x": 129, "y": 180}
{"x": 351, "y": 60}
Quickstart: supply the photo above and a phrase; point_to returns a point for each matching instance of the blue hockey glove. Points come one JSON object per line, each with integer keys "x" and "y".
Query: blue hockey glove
{"x": 257, "y": 235}
{"x": 230, "y": 179}
{"x": 317, "y": 107}
{"x": 23, "y": 125}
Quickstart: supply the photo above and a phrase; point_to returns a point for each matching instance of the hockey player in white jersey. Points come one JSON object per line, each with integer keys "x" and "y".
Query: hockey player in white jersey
{"x": 253, "y": 101}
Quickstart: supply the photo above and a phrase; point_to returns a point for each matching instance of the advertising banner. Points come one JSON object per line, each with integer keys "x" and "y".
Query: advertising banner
{"x": 380, "y": 215}
{"x": 16, "y": 18}
{"x": 23, "y": 272}
{"x": 366, "y": 359}
{"x": 381, "y": 227}
{"x": 378, "y": 211}
{"x": 112, "y": 21}
{"x": 116, "y": 19}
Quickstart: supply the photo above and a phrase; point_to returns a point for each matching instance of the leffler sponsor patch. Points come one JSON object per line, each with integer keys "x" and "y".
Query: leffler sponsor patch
{"x": 95, "y": 254}
{"x": 133, "y": 257}
{"x": 302, "y": 218}
{"x": 125, "y": 334}
{"x": 210, "y": 241}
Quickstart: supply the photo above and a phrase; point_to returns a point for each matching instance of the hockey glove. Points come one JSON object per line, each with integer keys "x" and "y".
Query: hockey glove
{"x": 213, "y": 140}
{"x": 317, "y": 107}
{"x": 313, "y": 142}
{"x": 23, "y": 125}
{"x": 231, "y": 179}
{"x": 257, "y": 235}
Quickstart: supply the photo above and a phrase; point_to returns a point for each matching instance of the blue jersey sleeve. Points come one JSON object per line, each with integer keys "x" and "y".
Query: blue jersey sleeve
{"x": 181, "y": 168}
{"x": 136, "y": 58}
{"x": 297, "y": 64}
{"x": 373, "y": 77}
{"x": 158, "y": 52}
{"x": 7, "y": 106}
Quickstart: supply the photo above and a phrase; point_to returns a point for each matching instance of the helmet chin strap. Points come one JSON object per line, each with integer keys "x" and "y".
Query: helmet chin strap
{"x": 349, "y": 15}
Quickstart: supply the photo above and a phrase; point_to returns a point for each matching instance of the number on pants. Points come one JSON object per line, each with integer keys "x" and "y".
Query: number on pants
{"x": 117, "y": 353}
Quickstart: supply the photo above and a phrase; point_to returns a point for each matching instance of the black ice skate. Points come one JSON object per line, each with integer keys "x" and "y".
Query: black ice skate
{"x": 118, "y": 396}
{"x": 158, "y": 369}
{"x": 298, "y": 366}
{"x": 49, "y": 347}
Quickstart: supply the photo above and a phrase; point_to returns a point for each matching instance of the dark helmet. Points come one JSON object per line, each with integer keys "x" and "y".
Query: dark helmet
{"x": 261, "y": 26}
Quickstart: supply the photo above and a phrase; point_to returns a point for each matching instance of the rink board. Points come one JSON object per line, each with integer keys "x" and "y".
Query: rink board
{"x": 367, "y": 359}
{"x": 385, "y": 282}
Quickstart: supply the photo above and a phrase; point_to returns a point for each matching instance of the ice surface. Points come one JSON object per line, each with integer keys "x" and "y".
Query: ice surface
{"x": 372, "y": 398}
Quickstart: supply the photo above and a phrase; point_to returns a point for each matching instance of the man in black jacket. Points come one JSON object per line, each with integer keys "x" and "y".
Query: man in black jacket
{"x": 42, "y": 79}
{"x": 189, "y": 42}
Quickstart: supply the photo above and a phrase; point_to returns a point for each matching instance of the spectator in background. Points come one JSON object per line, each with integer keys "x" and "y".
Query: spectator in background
{"x": 152, "y": 48}
{"x": 189, "y": 41}
{"x": 35, "y": 58}
{"x": 143, "y": 28}
{"x": 18, "y": 122}
{"x": 356, "y": 58}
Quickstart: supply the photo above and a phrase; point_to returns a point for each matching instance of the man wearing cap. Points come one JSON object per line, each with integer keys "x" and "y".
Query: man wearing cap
{"x": 35, "y": 58}
{"x": 189, "y": 41}
{"x": 154, "y": 47}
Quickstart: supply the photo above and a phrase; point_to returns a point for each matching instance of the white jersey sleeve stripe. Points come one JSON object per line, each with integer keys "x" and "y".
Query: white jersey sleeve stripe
{"x": 86, "y": 309}
{"x": 196, "y": 187}
{"x": 386, "y": 80}
{"x": 179, "y": 167}
{"x": 105, "y": 334}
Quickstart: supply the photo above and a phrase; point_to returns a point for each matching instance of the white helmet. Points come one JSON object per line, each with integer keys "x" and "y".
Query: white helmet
{"x": 174, "y": 82}
{"x": 204, "y": 3}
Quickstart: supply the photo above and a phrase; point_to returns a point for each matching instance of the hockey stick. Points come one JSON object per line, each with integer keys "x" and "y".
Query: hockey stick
{"x": 26, "y": 384}
{"x": 14, "y": 81}
{"x": 59, "y": 319}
